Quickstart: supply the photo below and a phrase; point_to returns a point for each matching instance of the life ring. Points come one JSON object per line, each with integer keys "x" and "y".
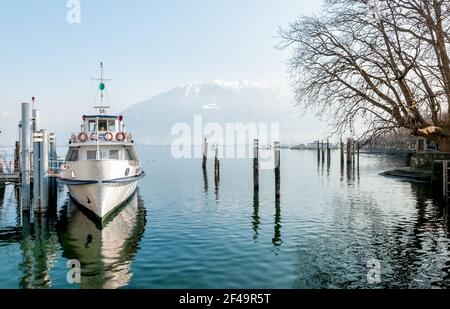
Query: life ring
{"x": 94, "y": 136}
{"x": 121, "y": 136}
{"x": 82, "y": 137}
{"x": 108, "y": 136}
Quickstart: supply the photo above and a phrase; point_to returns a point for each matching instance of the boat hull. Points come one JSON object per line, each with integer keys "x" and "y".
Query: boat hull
{"x": 102, "y": 198}
{"x": 101, "y": 185}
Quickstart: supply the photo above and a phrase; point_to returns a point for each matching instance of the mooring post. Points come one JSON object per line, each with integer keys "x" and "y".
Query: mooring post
{"x": 342, "y": 153}
{"x": 323, "y": 152}
{"x": 53, "y": 166}
{"x": 17, "y": 157}
{"x": 277, "y": 169}
{"x": 37, "y": 144}
{"x": 328, "y": 150}
{"x": 44, "y": 154}
{"x": 318, "y": 151}
{"x": 205, "y": 153}
{"x": 358, "y": 147}
{"x": 349, "y": 151}
{"x": 37, "y": 141}
{"x": 353, "y": 151}
{"x": 25, "y": 165}
{"x": 255, "y": 165}
{"x": 35, "y": 120}
{"x": 217, "y": 163}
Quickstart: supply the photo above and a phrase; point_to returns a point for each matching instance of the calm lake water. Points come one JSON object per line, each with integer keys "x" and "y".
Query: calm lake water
{"x": 184, "y": 231}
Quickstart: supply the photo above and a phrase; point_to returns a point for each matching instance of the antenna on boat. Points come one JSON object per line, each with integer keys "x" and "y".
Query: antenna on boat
{"x": 101, "y": 86}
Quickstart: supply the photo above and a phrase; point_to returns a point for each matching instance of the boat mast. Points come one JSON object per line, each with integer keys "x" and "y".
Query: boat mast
{"x": 101, "y": 108}
{"x": 101, "y": 86}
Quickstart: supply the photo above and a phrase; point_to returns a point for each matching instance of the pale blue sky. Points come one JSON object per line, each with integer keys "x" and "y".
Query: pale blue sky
{"x": 147, "y": 46}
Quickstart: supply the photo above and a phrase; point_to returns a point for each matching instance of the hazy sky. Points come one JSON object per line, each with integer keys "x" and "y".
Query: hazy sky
{"x": 147, "y": 46}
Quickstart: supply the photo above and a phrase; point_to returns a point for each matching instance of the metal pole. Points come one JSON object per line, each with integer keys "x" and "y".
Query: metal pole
{"x": 37, "y": 142}
{"x": 44, "y": 193}
{"x": 25, "y": 157}
{"x": 53, "y": 165}
{"x": 36, "y": 159}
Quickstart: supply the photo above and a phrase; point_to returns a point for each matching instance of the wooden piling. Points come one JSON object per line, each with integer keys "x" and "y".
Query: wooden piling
{"x": 349, "y": 151}
{"x": 277, "y": 169}
{"x": 358, "y": 147}
{"x": 318, "y": 151}
{"x": 217, "y": 172}
{"x": 217, "y": 163}
{"x": 323, "y": 153}
{"x": 17, "y": 157}
{"x": 255, "y": 165}
{"x": 328, "y": 150}
{"x": 342, "y": 153}
{"x": 205, "y": 153}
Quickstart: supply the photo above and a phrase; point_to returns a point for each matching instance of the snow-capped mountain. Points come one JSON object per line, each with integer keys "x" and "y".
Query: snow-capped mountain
{"x": 220, "y": 102}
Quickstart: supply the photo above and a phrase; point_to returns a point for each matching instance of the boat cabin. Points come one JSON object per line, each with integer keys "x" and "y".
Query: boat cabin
{"x": 101, "y": 137}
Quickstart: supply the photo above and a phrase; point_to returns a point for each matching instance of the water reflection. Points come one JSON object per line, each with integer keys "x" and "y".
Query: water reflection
{"x": 39, "y": 247}
{"x": 217, "y": 185}
{"x": 277, "y": 224}
{"x": 105, "y": 251}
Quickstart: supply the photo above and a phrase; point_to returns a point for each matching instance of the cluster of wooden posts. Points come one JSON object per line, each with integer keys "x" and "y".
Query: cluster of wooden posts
{"x": 276, "y": 161}
{"x": 353, "y": 149}
{"x": 349, "y": 153}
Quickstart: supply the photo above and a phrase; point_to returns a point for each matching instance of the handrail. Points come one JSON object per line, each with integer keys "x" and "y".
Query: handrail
{"x": 74, "y": 137}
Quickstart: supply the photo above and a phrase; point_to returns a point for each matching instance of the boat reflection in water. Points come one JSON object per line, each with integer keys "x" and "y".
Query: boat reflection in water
{"x": 105, "y": 250}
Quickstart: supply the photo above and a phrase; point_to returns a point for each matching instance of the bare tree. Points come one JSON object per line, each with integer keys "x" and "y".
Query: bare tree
{"x": 381, "y": 63}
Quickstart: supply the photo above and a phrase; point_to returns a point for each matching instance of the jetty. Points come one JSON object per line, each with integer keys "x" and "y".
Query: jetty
{"x": 34, "y": 167}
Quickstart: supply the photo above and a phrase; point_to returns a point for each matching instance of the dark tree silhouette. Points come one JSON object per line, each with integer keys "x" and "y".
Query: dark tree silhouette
{"x": 381, "y": 63}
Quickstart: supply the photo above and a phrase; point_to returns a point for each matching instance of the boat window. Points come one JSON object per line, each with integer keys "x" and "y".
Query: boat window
{"x": 114, "y": 154}
{"x": 92, "y": 125}
{"x": 104, "y": 154}
{"x": 111, "y": 125}
{"x": 91, "y": 154}
{"x": 102, "y": 125}
{"x": 72, "y": 155}
{"x": 129, "y": 155}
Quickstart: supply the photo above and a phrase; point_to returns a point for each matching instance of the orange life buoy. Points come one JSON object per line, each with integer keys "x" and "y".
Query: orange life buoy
{"x": 121, "y": 136}
{"x": 108, "y": 136}
{"x": 82, "y": 137}
{"x": 93, "y": 136}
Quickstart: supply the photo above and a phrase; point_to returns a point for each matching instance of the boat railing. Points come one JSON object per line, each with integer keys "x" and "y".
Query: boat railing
{"x": 104, "y": 136}
{"x": 55, "y": 166}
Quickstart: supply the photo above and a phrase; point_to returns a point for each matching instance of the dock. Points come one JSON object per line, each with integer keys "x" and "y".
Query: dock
{"x": 34, "y": 166}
